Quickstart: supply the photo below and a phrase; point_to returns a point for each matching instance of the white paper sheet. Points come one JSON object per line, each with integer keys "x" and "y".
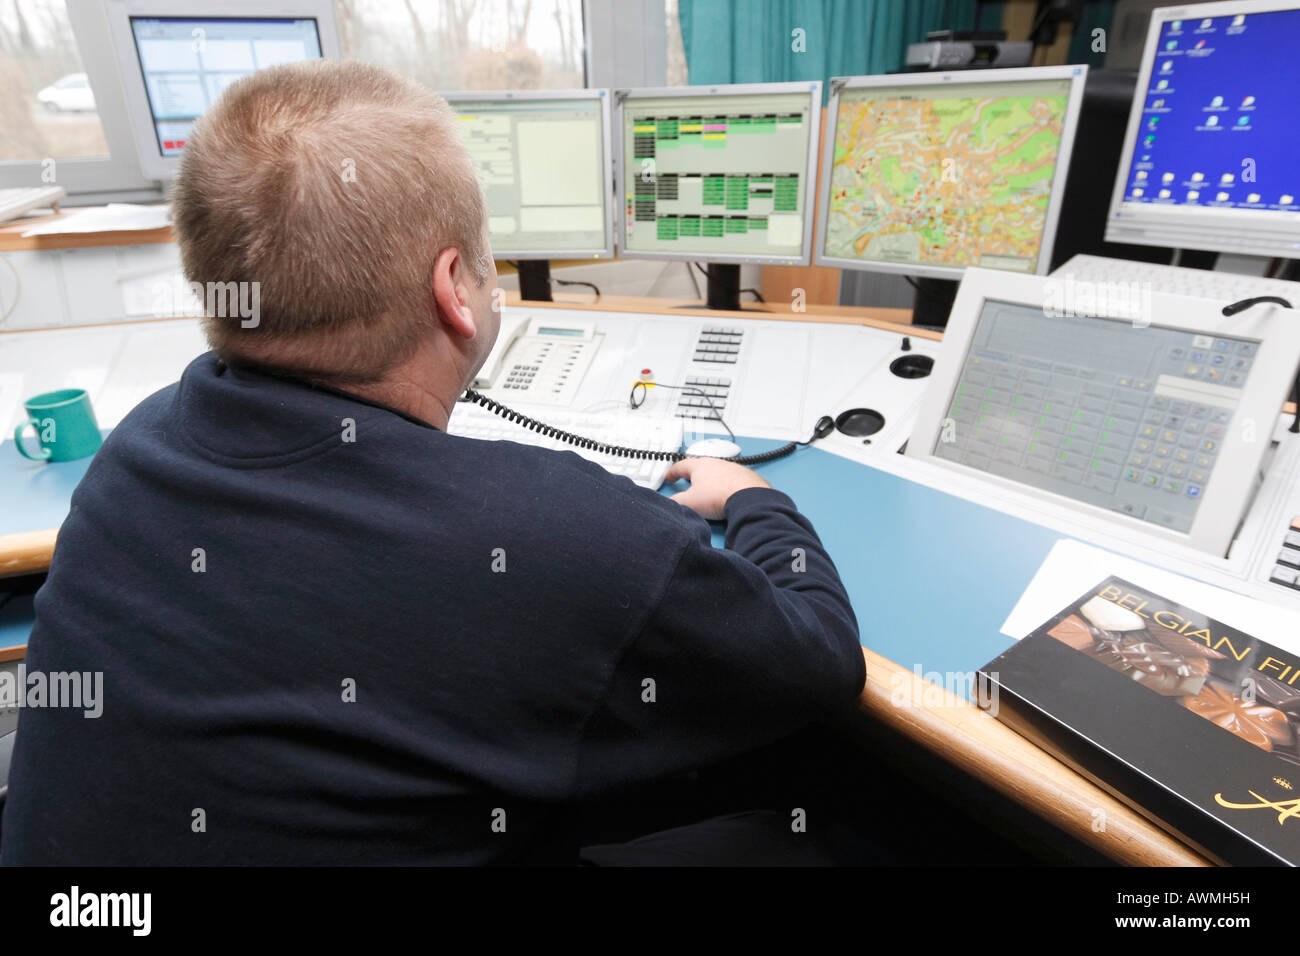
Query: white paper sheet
{"x": 1072, "y": 567}
{"x": 115, "y": 217}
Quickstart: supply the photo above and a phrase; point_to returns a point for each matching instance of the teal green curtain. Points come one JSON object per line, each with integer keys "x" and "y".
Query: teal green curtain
{"x": 1095, "y": 15}
{"x": 753, "y": 41}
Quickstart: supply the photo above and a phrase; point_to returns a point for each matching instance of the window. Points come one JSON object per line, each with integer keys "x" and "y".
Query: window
{"x": 469, "y": 44}
{"x": 53, "y": 113}
{"x": 678, "y": 74}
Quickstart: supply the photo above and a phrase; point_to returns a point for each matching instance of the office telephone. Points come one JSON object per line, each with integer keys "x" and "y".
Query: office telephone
{"x": 543, "y": 361}
{"x": 539, "y": 360}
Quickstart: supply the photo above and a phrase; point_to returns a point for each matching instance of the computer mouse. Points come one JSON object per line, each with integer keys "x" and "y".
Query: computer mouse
{"x": 713, "y": 448}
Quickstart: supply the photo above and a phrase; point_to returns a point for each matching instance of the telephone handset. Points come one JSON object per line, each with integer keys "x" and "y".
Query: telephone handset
{"x": 510, "y": 330}
{"x": 540, "y": 360}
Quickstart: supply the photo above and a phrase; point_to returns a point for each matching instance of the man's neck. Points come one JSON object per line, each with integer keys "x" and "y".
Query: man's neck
{"x": 424, "y": 400}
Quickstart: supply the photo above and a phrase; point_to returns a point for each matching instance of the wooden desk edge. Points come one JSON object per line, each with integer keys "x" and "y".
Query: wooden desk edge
{"x": 988, "y": 750}
{"x": 884, "y": 318}
{"x": 26, "y": 552}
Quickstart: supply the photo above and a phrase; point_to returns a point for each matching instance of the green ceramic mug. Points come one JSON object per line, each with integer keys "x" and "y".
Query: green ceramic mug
{"x": 65, "y": 426}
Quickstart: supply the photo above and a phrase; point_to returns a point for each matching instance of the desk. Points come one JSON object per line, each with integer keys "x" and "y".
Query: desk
{"x": 904, "y": 629}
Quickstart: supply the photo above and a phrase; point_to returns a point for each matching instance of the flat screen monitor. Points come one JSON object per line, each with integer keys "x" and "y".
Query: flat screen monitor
{"x": 545, "y": 162}
{"x": 1211, "y": 156}
{"x": 1134, "y": 407}
{"x": 178, "y": 56}
{"x": 719, "y": 173}
{"x": 925, "y": 174}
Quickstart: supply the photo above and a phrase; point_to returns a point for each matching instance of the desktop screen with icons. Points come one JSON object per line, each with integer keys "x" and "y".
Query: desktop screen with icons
{"x": 1217, "y": 125}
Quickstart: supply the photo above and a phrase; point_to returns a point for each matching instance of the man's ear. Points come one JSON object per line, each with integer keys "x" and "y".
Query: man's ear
{"x": 451, "y": 293}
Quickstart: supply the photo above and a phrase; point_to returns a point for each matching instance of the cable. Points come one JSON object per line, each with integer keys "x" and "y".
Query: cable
{"x": 636, "y": 402}
{"x": 1242, "y": 306}
{"x": 18, "y": 287}
{"x": 591, "y": 285}
{"x": 1245, "y": 304}
{"x": 694, "y": 281}
{"x": 824, "y": 426}
{"x": 913, "y": 283}
{"x": 757, "y": 295}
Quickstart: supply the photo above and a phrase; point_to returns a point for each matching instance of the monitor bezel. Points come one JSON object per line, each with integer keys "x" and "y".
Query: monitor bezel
{"x": 604, "y": 96}
{"x": 1178, "y": 226}
{"x": 153, "y": 164}
{"x": 811, "y": 88}
{"x": 1229, "y": 489}
{"x": 1076, "y": 73}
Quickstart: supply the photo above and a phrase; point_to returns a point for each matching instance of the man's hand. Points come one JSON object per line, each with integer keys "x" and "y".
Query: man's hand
{"x": 713, "y": 481}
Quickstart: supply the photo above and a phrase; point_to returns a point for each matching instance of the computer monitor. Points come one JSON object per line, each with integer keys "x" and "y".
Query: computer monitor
{"x": 718, "y": 173}
{"x": 1212, "y": 154}
{"x": 546, "y": 164}
{"x": 177, "y": 56}
{"x": 1141, "y": 410}
{"x": 928, "y": 173}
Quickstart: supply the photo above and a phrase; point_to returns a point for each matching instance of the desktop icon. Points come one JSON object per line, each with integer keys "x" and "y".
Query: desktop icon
{"x": 1253, "y": 197}
{"x": 1162, "y": 85}
{"x": 1171, "y": 45}
{"x": 1197, "y": 177}
{"x": 1248, "y": 101}
{"x": 1222, "y": 197}
{"x": 1243, "y": 120}
{"x": 1164, "y": 194}
{"x": 1239, "y": 20}
{"x": 1287, "y": 199}
{"x": 1137, "y": 191}
{"x": 1157, "y": 104}
{"x": 1193, "y": 195}
{"x": 1227, "y": 178}
{"x": 1141, "y": 174}
{"x": 1176, "y": 25}
{"x": 1217, "y": 101}
{"x": 1148, "y": 139}
{"x": 1212, "y": 121}
{"x": 1200, "y": 44}
{"x": 1153, "y": 122}
{"x": 1166, "y": 177}
{"x": 1207, "y": 23}
{"x": 1167, "y": 66}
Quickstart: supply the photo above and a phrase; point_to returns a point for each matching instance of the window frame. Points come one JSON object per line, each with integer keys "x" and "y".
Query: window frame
{"x": 612, "y": 29}
{"x": 94, "y": 179}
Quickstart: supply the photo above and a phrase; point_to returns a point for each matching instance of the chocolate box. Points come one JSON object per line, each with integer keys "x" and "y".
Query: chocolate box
{"x": 1191, "y": 722}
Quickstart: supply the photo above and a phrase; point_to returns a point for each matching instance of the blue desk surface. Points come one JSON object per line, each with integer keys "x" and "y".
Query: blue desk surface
{"x": 932, "y": 577}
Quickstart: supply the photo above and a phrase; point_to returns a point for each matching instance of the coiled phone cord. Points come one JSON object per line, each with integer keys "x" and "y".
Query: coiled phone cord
{"x": 823, "y": 428}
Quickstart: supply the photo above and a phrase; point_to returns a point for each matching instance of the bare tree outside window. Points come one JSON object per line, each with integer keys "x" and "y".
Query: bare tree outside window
{"x": 469, "y": 44}
{"x": 47, "y": 108}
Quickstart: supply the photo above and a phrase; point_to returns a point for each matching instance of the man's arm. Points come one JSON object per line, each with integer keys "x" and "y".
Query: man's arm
{"x": 746, "y": 644}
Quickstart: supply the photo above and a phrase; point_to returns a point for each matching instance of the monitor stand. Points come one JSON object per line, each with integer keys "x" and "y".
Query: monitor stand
{"x": 933, "y": 302}
{"x": 723, "y": 290}
{"x": 535, "y": 280}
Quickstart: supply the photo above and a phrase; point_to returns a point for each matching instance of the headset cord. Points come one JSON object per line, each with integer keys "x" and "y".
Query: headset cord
{"x": 644, "y": 454}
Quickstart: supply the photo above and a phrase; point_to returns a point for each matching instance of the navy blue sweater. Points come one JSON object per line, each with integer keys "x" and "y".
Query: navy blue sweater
{"x": 407, "y": 647}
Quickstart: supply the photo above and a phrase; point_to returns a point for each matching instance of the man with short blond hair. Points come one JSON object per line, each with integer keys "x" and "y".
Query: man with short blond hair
{"x": 332, "y": 633}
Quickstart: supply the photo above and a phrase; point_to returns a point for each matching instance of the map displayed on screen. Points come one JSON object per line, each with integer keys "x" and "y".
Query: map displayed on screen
{"x": 944, "y": 176}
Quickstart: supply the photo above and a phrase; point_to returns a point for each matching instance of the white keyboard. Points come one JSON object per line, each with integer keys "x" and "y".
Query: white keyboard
{"x": 630, "y": 430}
{"x": 15, "y": 202}
{"x": 1223, "y": 287}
